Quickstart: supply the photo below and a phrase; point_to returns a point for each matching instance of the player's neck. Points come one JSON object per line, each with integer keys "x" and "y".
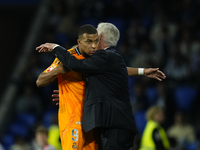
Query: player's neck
{"x": 82, "y": 52}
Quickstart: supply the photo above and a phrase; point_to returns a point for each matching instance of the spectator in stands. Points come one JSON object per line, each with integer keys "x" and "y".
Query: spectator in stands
{"x": 165, "y": 100}
{"x": 29, "y": 102}
{"x": 146, "y": 57}
{"x": 40, "y": 141}
{"x": 1, "y": 147}
{"x": 181, "y": 131}
{"x": 54, "y": 133}
{"x": 198, "y": 147}
{"x": 20, "y": 144}
{"x": 154, "y": 136}
{"x": 138, "y": 99}
{"x": 177, "y": 69}
{"x": 162, "y": 33}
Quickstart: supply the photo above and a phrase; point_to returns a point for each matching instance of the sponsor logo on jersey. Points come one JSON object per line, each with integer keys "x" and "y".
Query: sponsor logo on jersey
{"x": 74, "y": 146}
{"x": 50, "y": 68}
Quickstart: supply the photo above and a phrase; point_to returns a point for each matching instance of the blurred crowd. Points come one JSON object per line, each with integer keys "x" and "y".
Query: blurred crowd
{"x": 163, "y": 34}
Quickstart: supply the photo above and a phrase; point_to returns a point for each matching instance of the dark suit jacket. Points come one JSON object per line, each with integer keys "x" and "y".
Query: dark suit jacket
{"x": 107, "y": 102}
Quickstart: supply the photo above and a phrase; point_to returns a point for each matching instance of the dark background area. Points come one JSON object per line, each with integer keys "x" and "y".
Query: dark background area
{"x": 15, "y": 20}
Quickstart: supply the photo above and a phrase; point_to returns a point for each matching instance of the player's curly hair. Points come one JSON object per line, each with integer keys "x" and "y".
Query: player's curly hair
{"x": 110, "y": 33}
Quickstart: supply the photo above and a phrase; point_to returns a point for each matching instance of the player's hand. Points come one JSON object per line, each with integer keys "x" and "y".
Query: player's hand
{"x": 47, "y": 47}
{"x": 154, "y": 73}
{"x": 56, "y": 96}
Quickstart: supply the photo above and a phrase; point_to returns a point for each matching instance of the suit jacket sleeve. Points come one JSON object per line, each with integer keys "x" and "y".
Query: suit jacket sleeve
{"x": 93, "y": 64}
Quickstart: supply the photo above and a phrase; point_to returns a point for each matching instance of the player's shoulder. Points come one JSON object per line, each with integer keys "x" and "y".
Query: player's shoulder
{"x": 56, "y": 61}
{"x": 74, "y": 50}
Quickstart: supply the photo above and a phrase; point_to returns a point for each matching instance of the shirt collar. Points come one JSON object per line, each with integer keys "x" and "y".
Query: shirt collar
{"x": 106, "y": 48}
{"x": 109, "y": 47}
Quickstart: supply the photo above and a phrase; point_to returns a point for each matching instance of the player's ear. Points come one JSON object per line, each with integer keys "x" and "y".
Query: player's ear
{"x": 78, "y": 41}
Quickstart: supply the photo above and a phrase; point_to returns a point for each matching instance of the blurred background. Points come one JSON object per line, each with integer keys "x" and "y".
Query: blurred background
{"x": 154, "y": 33}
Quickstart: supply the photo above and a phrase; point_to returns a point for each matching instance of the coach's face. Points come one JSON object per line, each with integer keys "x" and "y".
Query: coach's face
{"x": 88, "y": 44}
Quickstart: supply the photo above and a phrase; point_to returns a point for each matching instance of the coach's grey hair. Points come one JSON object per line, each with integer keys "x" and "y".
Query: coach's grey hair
{"x": 110, "y": 33}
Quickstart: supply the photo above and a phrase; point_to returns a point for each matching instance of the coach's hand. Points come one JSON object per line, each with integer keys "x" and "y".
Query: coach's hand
{"x": 56, "y": 96}
{"x": 47, "y": 47}
{"x": 154, "y": 73}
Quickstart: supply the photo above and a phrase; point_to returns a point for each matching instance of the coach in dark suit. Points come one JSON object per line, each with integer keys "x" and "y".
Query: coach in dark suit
{"x": 107, "y": 107}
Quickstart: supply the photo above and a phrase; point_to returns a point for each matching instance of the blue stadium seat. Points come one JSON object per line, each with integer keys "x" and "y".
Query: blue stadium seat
{"x": 151, "y": 93}
{"x": 140, "y": 120}
{"x": 25, "y": 119}
{"x": 7, "y": 140}
{"x": 89, "y": 20}
{"x": 184, "y": 97}
{"x": 131, "y": 81}
{"x": 118, "y": 22}
{"x": 61, "y": 38}
{"x": 192, "y": 146}
{"x": 146, "y": 21}
{"x": 47, "y": 118}
{"x": 18, "y": 129}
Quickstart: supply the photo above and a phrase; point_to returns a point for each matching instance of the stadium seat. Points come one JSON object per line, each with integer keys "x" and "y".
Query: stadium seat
{"x": 25, "y": 119}
{"x": 140, "y": 120}
{"x": 61, "y": 38}
{"x": 131, "y": 81}
{"x": 48, "y": 118}
{"x": 18, "y": 129}
{"x": 184, "y": 97}
{"x": 146, "y": 21}
{"x": 118, "y": 22}
{"x": 7, "y": 140}
{"x": 192, "y": 146}
{"x": 90, "y": 20}
{"x": 151, "y": 93}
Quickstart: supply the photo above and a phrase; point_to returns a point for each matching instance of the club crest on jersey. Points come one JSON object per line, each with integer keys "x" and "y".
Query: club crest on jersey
{"x": 74, "y": 146}
{"x": 72, "y": 51}
{"x": 50, "y": 68}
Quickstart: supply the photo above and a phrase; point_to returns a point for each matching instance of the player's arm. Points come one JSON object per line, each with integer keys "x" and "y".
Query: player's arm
{"x": 46, "y": 78}
{"x": 94, "y": 64}
{"x": 148, "y": 72}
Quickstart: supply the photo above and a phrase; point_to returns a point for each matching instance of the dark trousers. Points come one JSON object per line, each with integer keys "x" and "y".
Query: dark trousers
{"x": 114, "y": 139}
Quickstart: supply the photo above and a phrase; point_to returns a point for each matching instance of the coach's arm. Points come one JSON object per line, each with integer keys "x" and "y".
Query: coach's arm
{"x": 149, "y": 72}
